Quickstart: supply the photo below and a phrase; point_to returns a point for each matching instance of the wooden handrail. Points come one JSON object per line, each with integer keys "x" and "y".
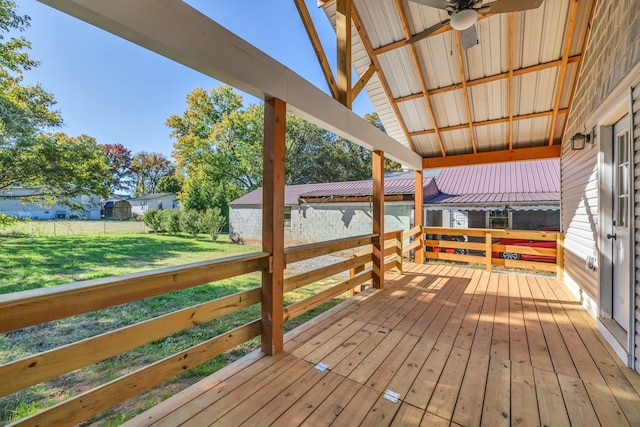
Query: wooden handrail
{"x": 50, "y": 364}
{"x": 27, "y": 308}
{"x": 464, "y": 251}
{"x": 313, "y": 250}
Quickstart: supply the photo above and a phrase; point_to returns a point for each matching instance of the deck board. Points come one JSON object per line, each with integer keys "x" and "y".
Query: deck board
{"x": 461, "y": 347}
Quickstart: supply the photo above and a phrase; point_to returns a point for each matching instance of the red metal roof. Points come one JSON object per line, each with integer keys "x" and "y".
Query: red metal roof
{"x": 540, "y": 176}
{"x": 292, "y": 193}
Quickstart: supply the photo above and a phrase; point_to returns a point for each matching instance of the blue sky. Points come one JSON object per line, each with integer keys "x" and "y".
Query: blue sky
{"x": 117, "y": 92}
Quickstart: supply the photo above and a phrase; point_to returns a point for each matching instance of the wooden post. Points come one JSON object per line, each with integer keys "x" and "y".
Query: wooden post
{"x": 418, "y": 217}
{"x": 378, "y": 218}
{"x": 560, "y": 257}
{"x": 399, "y": 251}
{"x": 343, "y": 35}
{"x": 487, "y": 251}
{"x": 275, "y": 114}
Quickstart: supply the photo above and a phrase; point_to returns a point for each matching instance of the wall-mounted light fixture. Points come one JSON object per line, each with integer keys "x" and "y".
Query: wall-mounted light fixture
{"x": 579, "y": 140}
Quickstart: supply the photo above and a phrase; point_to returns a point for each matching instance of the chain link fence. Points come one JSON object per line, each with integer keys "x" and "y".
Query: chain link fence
{"x": 54, "y": 227}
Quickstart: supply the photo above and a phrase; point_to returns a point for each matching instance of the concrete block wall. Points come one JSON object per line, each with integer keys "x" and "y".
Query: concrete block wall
{"x": 319, "y": 222}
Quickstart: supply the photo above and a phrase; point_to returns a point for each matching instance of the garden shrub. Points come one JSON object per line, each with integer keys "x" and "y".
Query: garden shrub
{"x": 211, "y": 222}
{"x": 190, "y": 220}
{"x": 153, "y": 220}
{"x": 172, "y": 221}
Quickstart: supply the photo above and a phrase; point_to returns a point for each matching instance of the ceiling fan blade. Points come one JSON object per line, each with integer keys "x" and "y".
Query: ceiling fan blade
{"x": 469, "y": 37}
{"x": 438, "y": 4}
{"x": 424, "y": 33}
{"x": 505, "y": 6}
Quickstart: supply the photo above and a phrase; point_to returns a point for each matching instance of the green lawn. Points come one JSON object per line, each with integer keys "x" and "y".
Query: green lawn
{"x": 34, "y": 262}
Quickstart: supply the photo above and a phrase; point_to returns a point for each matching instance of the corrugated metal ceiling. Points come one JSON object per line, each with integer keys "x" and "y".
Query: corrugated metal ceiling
{"x": 500, "y": 119}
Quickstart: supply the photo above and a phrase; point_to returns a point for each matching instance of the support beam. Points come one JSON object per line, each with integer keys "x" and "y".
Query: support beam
{"x": 317, "y": 46}
{"x": 568, "y": 36}
{"x": 362, "y": 81}
{"x": 418, "y": 214}
{"x": 275, "y": 113}
{"x": 491, "y": 122}
{"x": 343, "y": 36}
{"x": 378, "y": 218}
{"x": 521, "y": 154}
{"x": 177, "y": 31}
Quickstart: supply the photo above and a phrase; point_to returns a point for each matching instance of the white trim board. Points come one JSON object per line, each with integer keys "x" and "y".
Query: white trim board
{"x": 179, "y": 32}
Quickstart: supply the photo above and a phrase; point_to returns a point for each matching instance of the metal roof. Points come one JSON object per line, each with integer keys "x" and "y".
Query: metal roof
{"x": 541, "y": 176}
{"x": 293, "y": 193}
{"x": 496, "y": 198}
{"x": 510, "y": 92}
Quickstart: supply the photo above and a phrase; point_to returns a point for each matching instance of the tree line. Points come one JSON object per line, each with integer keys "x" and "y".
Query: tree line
{"x": 217, "y": 151}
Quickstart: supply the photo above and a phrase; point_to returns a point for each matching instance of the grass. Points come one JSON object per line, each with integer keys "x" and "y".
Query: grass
{"x": 35, "y": 262}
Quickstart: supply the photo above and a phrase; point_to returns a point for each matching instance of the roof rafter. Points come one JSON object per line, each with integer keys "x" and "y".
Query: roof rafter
{"x": 492, "y": 122}
{"x": 383, "y": 80}
{"x": 511, "y": 35}
{"x": 466, "y": 92}
{"x": 362, "y": 81}
{"x": 563, "y": 68}
{"x": 492, "y": 78}
{"x": 420, "y": 73}
{"x": 521, "y": 154}
{"x": 584, "y": 48}
{"x": 317, "y": 46}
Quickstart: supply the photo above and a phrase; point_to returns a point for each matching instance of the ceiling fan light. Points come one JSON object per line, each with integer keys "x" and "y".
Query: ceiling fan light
{"x": 464, "y": 19}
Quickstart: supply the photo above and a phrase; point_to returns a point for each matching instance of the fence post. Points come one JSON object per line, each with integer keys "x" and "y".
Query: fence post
{"x": 560, "y": 257}
{"x": 399, "y": 250}
{"x": 487, "y": 251}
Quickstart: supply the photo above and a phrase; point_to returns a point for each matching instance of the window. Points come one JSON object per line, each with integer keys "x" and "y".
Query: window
{"x": 287, "y": 216}
{"x": 498, "y": 219}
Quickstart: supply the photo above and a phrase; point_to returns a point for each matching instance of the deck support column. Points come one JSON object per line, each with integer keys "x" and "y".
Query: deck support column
{"x": 418, "y": 215}
{"x": 378, "y": 218}
{"x": 343, "y": 35}
{"x": 275, "y": 114}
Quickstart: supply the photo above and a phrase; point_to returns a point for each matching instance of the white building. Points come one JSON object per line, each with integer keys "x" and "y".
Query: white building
{"x": 160, "y": 201}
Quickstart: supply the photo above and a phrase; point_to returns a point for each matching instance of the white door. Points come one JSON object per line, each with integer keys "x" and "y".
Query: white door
{"x": 621, "y": 216}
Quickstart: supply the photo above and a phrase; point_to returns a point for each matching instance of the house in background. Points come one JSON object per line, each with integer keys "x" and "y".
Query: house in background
{"x": 522, "y": 195}
{"x": 11, "y": 203}
{"x": 148, "y": 202}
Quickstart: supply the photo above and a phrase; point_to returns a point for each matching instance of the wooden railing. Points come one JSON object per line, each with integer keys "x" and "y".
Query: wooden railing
{"x": 28, "y": 308}
{"x": 534, "y": 250}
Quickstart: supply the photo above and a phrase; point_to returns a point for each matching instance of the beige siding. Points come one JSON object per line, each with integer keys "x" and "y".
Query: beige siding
{"x": 613, "y": 51}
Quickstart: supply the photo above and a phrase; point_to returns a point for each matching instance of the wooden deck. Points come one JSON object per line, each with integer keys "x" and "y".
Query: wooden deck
{"x": 461, "y": 347}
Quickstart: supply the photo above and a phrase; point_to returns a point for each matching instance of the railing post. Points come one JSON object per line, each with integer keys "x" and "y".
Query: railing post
{"x": 487, "y": 251}
{"x": 378, "y": 218}
{"x": 275, "y": 114}
{"x": 399, "y": 250}
{"x": 560, "y": 257}
{"x": 418, "y": 217}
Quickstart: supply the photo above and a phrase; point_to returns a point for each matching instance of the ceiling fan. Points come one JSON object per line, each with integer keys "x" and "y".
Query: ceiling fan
{"x": 464, "y": 14}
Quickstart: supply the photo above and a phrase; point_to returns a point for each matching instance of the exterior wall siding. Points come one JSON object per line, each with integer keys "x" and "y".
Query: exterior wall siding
{"x": 635, "y": 124}
{"x": 312, "y": 223}
{"x": 612, "y": 53}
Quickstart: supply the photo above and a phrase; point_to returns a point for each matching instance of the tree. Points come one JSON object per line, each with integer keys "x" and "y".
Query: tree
{"x": 147, "y": 170}
{"x": 170, "y": 184}
{"x": 389, "y": 165}
{"x": 59, "y": 166}
{"x": 119, "y": 161}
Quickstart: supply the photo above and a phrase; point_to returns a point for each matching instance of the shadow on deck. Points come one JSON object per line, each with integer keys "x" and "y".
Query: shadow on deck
{"x": 459, "y": 346}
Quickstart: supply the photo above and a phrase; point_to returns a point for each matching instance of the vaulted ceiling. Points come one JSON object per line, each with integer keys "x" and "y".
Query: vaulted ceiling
{"x": 506, "y": 98}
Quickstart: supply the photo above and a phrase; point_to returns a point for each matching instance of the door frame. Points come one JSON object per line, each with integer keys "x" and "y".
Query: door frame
{"x": 622, "y": 342}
